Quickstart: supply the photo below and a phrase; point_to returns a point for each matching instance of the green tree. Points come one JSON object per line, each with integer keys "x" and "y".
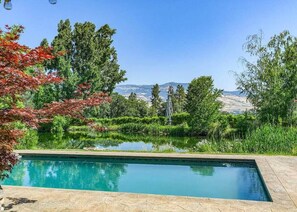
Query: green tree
{"x": 173, "y": 97}
{"x": 118, "y": 105}
{"x": 94, "y": 57}
{"x": 46, "y": 93}
{"x": 111, "y": 74}
{"x": 180, "y": 99}
{"x": 104, "y": 111}
{"x": 270, "y": 82}
{"x": 202, "y": 103}
{"x": 63, "y": 41}
{"x": 156, "y": 108}
{"x": 136, "y": 107}
{"x": 90, "y": 57}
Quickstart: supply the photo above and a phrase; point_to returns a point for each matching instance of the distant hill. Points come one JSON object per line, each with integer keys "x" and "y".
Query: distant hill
{"x": 234, "y": 101}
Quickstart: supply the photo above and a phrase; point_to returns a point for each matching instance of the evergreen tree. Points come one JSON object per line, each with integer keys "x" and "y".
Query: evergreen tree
{"x": 169, "y": 104}
{"x": 156, "y": 101}
{"x": 180, "y": 99}
{"x": 172, "y": 97}
{"x": 136, "y": 107}
{"x": 118, "y": 105}
{"x": 202, "y": 103}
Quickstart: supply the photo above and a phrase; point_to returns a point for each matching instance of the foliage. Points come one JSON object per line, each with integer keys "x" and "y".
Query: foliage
{"x": 104, "y": 111}
{"x": 30, "y": 136}
{"x": 272, "y": 139}
{"x": 220, "y": 129}
{"x": 156, "y": 108}
{"x": 202, "y": 104}
{"x": 155, "y": 129}
{"x": 59, "y": 124}
{"x": 15, "y": 58}
{"x": 136, "y": 107}
{"x": 89, "y": 58}
{"x": 266, "y": 139}
{"x": 232, "y": 126}
{"x": 180, "y": 99}
{"x": 116, "y": 108}
{"x": 125, "y": 120}
{"x": 119, "y": 106}
{"x": 29, "y": 140}
{"x": 180, "y": 118}
{"x": 270, "y": 82}
{"x": 19, "y": 75}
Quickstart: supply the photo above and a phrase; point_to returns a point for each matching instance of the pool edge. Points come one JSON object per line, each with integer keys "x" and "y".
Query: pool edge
{"x": 272, "y": 169}
{"x": 158, "y": 156}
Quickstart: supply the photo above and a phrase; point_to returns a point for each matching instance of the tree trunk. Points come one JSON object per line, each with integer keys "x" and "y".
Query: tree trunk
{"x": 1, "y": 199}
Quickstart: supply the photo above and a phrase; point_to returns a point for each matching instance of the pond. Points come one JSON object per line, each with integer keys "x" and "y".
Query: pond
{"x": 112, "y": 141}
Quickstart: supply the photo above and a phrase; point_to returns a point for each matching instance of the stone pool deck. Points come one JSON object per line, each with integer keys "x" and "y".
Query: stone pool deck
{"x": 278, "y": 172}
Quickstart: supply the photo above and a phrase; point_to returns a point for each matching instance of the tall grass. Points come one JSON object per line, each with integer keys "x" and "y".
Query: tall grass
{"x": 266, "y": 139}
{"x": 272, "y": 139}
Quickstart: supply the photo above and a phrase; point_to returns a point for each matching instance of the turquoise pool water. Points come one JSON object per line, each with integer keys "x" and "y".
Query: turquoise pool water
{"x": 215, "y": 179}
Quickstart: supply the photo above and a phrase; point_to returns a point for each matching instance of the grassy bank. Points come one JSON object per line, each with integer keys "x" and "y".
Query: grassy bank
{"x": 264, "y": 140}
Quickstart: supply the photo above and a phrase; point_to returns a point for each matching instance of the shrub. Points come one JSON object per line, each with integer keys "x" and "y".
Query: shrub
{"x": 154, "y": 129}
{"x": 29, "y": 141}
{"x": 238, "y": 125}
{"x": 30, "y": 138}
{"x": 180, "y": 118}
{"x": 128, "y": 119}
{"x": 59, "y": 124}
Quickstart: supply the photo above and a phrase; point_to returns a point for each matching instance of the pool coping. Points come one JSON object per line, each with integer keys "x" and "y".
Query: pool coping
{"x": 281, "y": 199}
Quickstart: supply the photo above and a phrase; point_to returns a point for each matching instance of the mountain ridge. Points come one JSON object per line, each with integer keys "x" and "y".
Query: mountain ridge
{"x": 233, "y": 101}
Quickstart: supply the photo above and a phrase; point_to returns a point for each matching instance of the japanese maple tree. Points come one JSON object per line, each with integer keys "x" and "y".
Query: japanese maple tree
{"x": 19, "y": 74}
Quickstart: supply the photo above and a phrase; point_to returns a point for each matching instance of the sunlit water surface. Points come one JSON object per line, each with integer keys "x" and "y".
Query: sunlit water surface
{"x": 166, "y": 177}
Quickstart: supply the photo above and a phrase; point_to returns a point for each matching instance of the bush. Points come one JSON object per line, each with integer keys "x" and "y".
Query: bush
{"x": 79, "y": 129}
{"x": 29, "y": 141}
{"x": 219, "y": 129}
{"x": 154, "y": 129}
{"x": 59, "y": 124}
{"x": 127, "y": 119}
{"x": 230, "y": 125}
{"x": 180, "y": 118}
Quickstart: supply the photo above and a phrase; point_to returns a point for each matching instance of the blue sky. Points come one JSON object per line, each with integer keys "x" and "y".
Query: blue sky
{"x": 160, "y": 41}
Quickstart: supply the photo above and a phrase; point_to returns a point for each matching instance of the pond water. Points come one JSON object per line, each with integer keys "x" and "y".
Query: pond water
{"x": 138, "y": 146}
{"x": 112, "y": 141}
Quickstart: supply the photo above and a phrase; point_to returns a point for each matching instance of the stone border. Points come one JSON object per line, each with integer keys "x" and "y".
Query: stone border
{"x": 281, "y": 199}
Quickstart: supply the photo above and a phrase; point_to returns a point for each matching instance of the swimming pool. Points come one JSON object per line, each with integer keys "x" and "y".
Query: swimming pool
{"x": 173, "y": 176}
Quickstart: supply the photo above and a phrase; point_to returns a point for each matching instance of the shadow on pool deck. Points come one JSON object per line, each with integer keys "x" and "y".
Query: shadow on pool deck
{"x": 16, "y": 201}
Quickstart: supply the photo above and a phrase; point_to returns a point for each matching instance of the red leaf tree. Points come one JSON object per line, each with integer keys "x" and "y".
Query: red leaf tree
{"x": 15, "y": 80}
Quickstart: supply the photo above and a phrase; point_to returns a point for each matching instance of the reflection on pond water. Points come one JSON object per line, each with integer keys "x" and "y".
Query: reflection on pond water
{"x": 139, "y": 146}
{"x": 113, "y": 141}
